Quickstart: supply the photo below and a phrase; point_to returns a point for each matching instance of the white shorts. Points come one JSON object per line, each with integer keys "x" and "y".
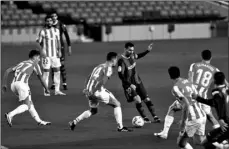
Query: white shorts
{"x": 206, "y": 108}
{"x": 175, "y": 106}
{"x": 20, "y": 89}
{"x": 103, "y": 96}
{"x": 196, "y": 127}
{"x": 50, "y": 62}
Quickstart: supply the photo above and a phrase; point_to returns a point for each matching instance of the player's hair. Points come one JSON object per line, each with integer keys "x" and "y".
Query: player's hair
{"x": 111, "y": 55}
{"x": 129, "y": 44}
{"x": 33, "y": 53}
{"x": 219, "y": 78}
{"x": 48, "y": 17}
{"x": 174, "y": 72}
{"x": 206, "y": 55}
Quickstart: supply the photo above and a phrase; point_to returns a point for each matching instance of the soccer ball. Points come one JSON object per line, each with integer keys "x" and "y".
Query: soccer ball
{"x": 138, "y": 121}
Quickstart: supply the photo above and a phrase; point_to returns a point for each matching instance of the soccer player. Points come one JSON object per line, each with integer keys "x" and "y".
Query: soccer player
{"x": 63, "y": 30}
{"x": 95, "y": 92}
{"x": 193, "y": 117}
{"x": 49, "y": 40}
{"x": 20, "y": 87}
{"x": 131, "y": 82}
{"x": 220, "y": 101}
{"x": 201, "y": 74}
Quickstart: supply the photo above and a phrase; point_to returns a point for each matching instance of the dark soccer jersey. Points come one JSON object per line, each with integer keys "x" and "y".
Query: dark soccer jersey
{"x": 127, "y": 69}
{"x": 62, "y": 28}
{"x": 220, "y": 101}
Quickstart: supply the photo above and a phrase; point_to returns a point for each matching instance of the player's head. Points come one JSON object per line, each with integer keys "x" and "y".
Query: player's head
{"x": 112, "y": 57}
{"x": 34, "y": 55}
{"x": 48, "y": 21}
{"x": 219, "y": 78}
{"x": 174, "y": 72}
{"x": 129, "y": 48}
{"x": 54, "y": 16}
{"x": 206, "y": 55}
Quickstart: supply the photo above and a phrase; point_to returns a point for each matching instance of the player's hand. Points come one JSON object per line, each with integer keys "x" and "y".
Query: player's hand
{"x": 150, "y": 47}
{"x": 133, "y": 86}
{"x": 4, "y": 88}
{"x": 69, "y": 50}
{"x": 223, "y": 125}
{"x": 87, "y": 93}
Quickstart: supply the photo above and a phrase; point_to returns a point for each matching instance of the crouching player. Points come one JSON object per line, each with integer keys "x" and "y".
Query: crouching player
{"x": 193, "y": 117}
{"x": 95, "y": 92}
{"x": 20, "y": 87}
{"x": 220, "y": 101}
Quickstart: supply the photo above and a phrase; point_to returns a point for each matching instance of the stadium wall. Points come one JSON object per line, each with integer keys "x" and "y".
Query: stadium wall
{"x": 142, "y": 32}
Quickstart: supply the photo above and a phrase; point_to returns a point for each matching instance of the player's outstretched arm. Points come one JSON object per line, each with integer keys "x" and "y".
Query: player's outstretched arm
{"x": 43, "y": 83}
{"x": 67, "y": 39}
{"x": 209, "y": 102}
{"x": 190, "y": 73}
{"x": 5, "y": 78}
{"x": 140, "y": 55}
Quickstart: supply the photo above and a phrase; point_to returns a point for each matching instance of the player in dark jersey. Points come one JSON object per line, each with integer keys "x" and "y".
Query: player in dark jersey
{"x": 63, "y": 30}
{"x": 131, "y": 82}
{"x": 220, "y": 101}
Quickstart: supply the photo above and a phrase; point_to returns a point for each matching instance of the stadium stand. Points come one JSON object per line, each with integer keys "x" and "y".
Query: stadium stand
{"x": 108, "y": 12}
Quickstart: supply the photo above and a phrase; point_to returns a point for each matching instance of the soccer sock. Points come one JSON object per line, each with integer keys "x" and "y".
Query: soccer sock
{"x": 118, "y": 116}
{"x": 34, "y": 113}
{"x": 149, "y": 105}
{"x": 57, "y": 80}
{"x": 46, "y": 77}
{"x": 52, "y": 71}
{"x": 63, "y": 74}
{"x": 84, "y": 115}
{"x": 168, "y": 122}
{"x": 188, "y": 146}
{"x": 20, "y": 109}
{"x": 140, "y": 109}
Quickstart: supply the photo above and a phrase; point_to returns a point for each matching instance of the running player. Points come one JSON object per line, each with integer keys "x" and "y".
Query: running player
{"x": 95, "y": 92}
{"x": 193, "y": 117}
{"x": 133, "y": 87}
{"x": 220, "y": 101}
{"x": 20, "y": 87}
{"x": 63, "y": 30}
{"x": 49, "y": 40}
{"x": 201, "y": 74}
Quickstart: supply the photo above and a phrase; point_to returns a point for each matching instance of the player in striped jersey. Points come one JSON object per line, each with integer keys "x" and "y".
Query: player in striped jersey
{"x": 95, "y": 92}
{"x": 20, "y": 87}
{"x": 49, "y": 40}
{"x": 193, "y": 117}
{"x": 220, "y": 101}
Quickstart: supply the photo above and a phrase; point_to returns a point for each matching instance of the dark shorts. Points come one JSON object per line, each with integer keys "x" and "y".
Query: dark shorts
{"x": 140, "y": 90}
{"x": 217, "y": 135}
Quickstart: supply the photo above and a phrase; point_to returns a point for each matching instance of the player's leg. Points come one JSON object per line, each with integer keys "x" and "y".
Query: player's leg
{"x": 199, "y": 136}
{"x": 46, "y": 64}
{"x": 141, "y": 91}
{"x": 63, "y": 73}
{"x": 93, "y": 104}
{"x": 52, "y": 76}
{"x": 131, "y": 96}
{"x": 56, "y": 68}
{"x": 182, "y": 141}
{"x": 169, "y": 118}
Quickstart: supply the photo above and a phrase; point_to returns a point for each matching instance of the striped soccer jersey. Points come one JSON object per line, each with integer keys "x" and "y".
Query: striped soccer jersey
{"x": 184, "y": 88}
{"x": 49, "y": 38}
{"x": 95, "y": 80}
{"x": 202, "y": 76}
{"x": 24, "y": 70}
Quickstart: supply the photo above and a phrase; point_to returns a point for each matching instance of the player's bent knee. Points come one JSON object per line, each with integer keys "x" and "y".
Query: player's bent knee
{"x": 28, "y": 102}
{"x": 137, "y": 99}
{"x": 94, "y": 111}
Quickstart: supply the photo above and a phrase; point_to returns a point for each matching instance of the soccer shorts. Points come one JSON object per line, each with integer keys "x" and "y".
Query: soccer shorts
{"x": 140, "y": 90}
{"x": 206, "y": 108}
{"x": 20, "y": 89}
{"x": 176, "y": 106}
{"x": 217, "y": 135}
{"x": 51, "y": 62}
{"x": 196, "y": 127}
{"x": 102, "y": 95}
